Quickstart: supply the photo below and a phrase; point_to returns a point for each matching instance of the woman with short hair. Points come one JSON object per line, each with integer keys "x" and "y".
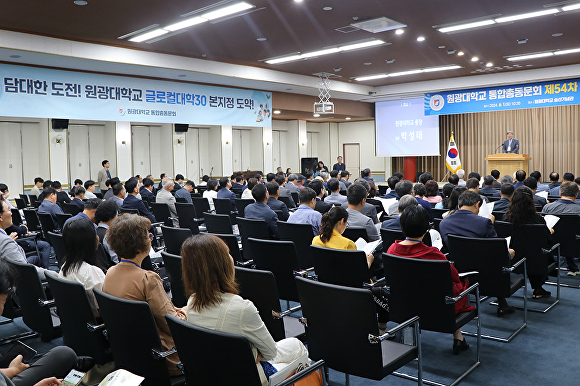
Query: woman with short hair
{"x": 211, "y": 192}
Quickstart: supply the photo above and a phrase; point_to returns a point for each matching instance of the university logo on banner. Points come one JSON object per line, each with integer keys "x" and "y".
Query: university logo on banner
{"x": 452, "y": 160}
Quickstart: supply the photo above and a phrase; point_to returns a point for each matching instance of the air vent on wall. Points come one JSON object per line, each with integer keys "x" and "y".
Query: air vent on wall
{"x": 379, "y": 24}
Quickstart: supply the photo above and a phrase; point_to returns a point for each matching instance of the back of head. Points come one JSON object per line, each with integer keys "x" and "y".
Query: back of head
{"x": 334, "y": 174}
{"x": 224, "y": 182}
{"x": 488, "y": 180}
{"x": 406, "y": 201}
{"x": 306, "y": 195}
{"x": 179, "y": 177}
{"x": 128, "y": 235}
{"x": 329, "y": 221}
{"x": 147, "y": 182}
{"x": 420, "y": 190}
{"x": 189, "y": 183}
{"x": 355, "y": 194}
{"x": 270, "y": 177}
{"x": 106, "y": 211}
{"x": 453, "y": 179}
{"x": 130, "y": 185}
{"x": 47, "y": 192}
{"x": 212, "y": 184}
{"x": 364, "y": 183}
{"x": 366, "y": 172}
{"x": 79, "y": 191}
{"x": 495, "y": 173}
{"x": 399, "y": 175}
{"x": 80, "y": 243}
{"x": 468, "y": 198}
{"x": 392, "y": 181}
{"x": 447, "y": 189}
{"x": 259, "y": 192}
{"x": 475, "y": 175}
{"x": 280, "y": 180}
{"x": 431, "y": 188}
{"x": 292, "y": 177}
{"x": 117, "y": 189}
{"x": 414, "y": 221}
{"x": 7, "y": 277}
{"x": 317, "y": 186}
{"x": 308, "y": 174}
{"x": 536, "y": 174}
{"x": 208, "y": 270}
{"x": 46, "y": 184}
{"x": 205, "y": 178}
{"x": 333, "y": 185}
{"x": 272, "y": 188}
{"x": 78, "y": 181}
{"x": 506, "y": 180}
{"x": 56, "y": 184}
{"x": 251, "y": 182}
{"x": 460, "y": 173}
{"x": 507, "y": 190}
{"x": 403, "y": 187}
{"x": 522, "y": 206}
{"x": 88, "y": 184}
{"x": 568, "y": 177}
{"x": 569, "y": 189}
{"x": 521, "y": 175}
{"x": 472, "y": 183}
{"x": 324, "y": 175}
{"x": 453, "y": 202}
{"x": 531, "y": 183}
{"x": 427, "y": 176}
{"x": 344, "y": 173}
{"x": 554, "y": 177}
{"x": 239, "y": 178}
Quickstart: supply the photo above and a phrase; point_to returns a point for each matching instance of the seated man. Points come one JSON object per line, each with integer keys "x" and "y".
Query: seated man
{"x": 393, "y": 223}
{"x": 88, "y": 212}
{"x": 405, "y": 187}
{"x": 146, "y": 191}
{"x": 495, "y": 174}
{"x": 335, "y": 196}
{"x": 90, "y": 189}
{"x": 132, "y": 202}
{"x": 165, "y": 197}
{"x": 507, "y": 192}
{"x": 273, "y": 202}
{"x": 60, "y": 195}
{"x": 318, "y": 188}
{"x": 237, "y": 182}
{"x": 110, "y": 183}
{"x": 392, "y": 181}
{"x": 284, "y": 192}
{"x": 520, "y": 177}
{"x": 555, "y": 191}
{"x": 305, "y": 214}
{"x": 260, "y": 211}
{"x": 473, "y": 185}
{"x": 185, "y": 192}
{"x": 344, "y": 176}
{"x": 106, "y": 212}
{"x": 488, "y": 187}
{"x": 466, "y": 222}
{"x": 291, "y": 184}
{"x": 119, "y": 193}
{"x": 78, "y": 198}
{"x": 357, "y": 196}
{"x": 48, "y": 205}
{"x": 532, "y": 183}
{"x": 225, "y": 192}
{"x": 368, "y": 210}
{"x": 38, "y": 181}
{"x": 566, "y": 205}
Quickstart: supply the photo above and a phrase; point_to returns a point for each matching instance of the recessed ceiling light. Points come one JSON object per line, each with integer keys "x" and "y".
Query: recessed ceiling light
{"x": 460, "y": 27}
{"x": 327, "y": 8}
{"x": 571, "y": 7}
{"x": 149, "y": 35}
{"x": 390, "y": 61}
{"x": 441, "y": 47}
{"x": 420, "y": 38}
{"x": 80, "y": 2}
{"x": 529, "y": 65}
{"x": 556, "y": 35}
{"x": 347, "y": 118}
{"x": 527, "y": 15}
{"x": 367, "y": 63}
{"x": 489, "y": 64}
{"x": 522, "y": 41}
{"x": 316, "y": 115}
{"x": 261, "y": 39}
{"x": 474, "y": 59}
{"x": 15, "y": 56}
{"x": 399, "y": 32}
{"x": 277, "y": 111}
{"x": 460, "y": 53}
{"x": 530, "y": 56}
{"x": 327, "y": 51}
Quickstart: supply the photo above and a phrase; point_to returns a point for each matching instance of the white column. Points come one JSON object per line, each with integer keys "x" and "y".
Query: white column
{"x": 227, "y": 151}
{"x": 124, "y": 159}
{"x": 267, "y": 150}
{"x": 302, "y": 141}
{"x": 58, "y": 155}
{"x": 179, "y": 153}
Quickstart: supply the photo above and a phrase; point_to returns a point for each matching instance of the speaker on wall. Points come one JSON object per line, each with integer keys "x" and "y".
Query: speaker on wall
{"x": 308, "y": 164}
{"x": 181, "y": 127}
{"x": 59, "y": 123}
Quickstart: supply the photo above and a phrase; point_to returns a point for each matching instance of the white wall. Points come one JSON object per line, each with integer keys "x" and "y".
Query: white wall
{"x": 34, "y": 151}
{"x": 58, "y": 156}
{"x": 179, "y": 153}
{"x": 124, "y": 150}
{"x": 214, "y": 142}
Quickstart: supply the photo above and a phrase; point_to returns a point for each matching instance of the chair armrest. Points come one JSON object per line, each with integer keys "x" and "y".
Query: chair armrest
{"x": 162, "y": 354}
{"x": 466, "y": 274}
{"x": 280, "y": 315}
{"x": 94, "y": 328}
{"x": 546, "y": 251}
{"x": 303, "y": 373}
{"x": 303, "y": 272}
{"x": 389, "y": 333}
{"x": 159, "y": 223}
{"x": 46, "y": 303}
{"x": 378, "y": 283}
{"x": 513, "y": 267}
{"x": 454, "y": 300}
{"x": 247, "y": 263}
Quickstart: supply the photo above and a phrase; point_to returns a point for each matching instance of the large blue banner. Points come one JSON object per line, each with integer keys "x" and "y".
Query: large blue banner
{"x": 43, "y": 93}
{"x": 524, "y": 96}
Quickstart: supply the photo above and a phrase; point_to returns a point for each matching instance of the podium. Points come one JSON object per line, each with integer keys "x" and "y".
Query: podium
{"x": 507, "y": 163}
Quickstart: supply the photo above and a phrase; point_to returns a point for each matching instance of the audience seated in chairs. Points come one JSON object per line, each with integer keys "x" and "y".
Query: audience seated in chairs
{"x": 431, "y": 192}
{"x": 532, "y": 183}
{"x": 110, "y": 183}
{"x": 90, "y": 189}
{"x": 129, "y": 237}
{"x": 38, "y": 181}
{"x": 488, "y": 187}
{"x": 335, "y": 197}
{"x": 523, "y": 211}
{"x": 185, "y": 192}
{"x": 506, "y": 191}
{"x": 394, "y": 223}
{"x": 356, "y": 196}
{"x": 119, "y": 194}
{"x": 49, "y": 205}
{"x": 318, "y": 187}
{"x": 214, "y": 303}
{"x": 473, "y": 185}
{"x": 368, "y": 209}
{"x": 88, "y": 212}
{"x": 445, "y": 193}
{"x": 81, "y": 264}
{"x": 60, "y": 195}
{"x": 247, "y": 193}
{"x": 78, "y": 183}
{"x": 11, "y": 251}
{"x": 79, "y": 196}
{"x": 415, "y": 225}
{"x": 466, "y": 222}
{"x": 146, "y": 191}
{"x": 453, "y": 203}
{"x": 330, "y": 235}
{"x": 211, "y": 192}
{"x": 391, "y": 182}
{"x": 105, "y": 214}
{"x": 261, "y": 211}
{"x": 305, "y": 214}
{"x": 132, "y": 202}
{"x": 165, "y": 197}
{"x": 225, "y": 192}
{"x": 273, "y": 202}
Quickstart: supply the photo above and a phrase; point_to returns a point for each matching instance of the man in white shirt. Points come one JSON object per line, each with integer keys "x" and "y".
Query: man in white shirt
{"x": 90, "y": 189}
{"x": 37, "y": 185}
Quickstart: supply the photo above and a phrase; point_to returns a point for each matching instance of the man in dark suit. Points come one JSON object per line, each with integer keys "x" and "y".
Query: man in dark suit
{"x": 273, "y": 202}
{"x": 260, "y": 211}
{"x": 392, "y": 181}
{"x": 554, "y": 177}
{"x": 511, "y": 145}
{"x": 487, "y": 188}
{"x": 466, "y": 222}
{"x": 60, "y": 195}
{"x": 78, "y": 198}
{"x": 507, "y": 191}
{"x": 132, "y": 202}
{"x": 520, "y": 177}
{"x": 495, "y": 174}
{"x": 284, "y": 192}
{"x": 532, "y": 183}
{"x": 146, "y": 190}
{"x": 321, "y": 206}
{"x": 237, "y": 182}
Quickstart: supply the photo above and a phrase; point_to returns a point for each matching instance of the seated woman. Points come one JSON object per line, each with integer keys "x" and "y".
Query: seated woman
{"x": 453, "y": 203}
{"x": 80, "y": 248}
{"x": 129, "y": 238}
{"x": 446, "y": 192}
{"x": 432, "y": 192}
{"x": 522, "y": 210}
{"x": 211, "y": 192}
{"x": 214, "y": 303}
{"x": 332, "y": 227}
{"x": 247, "y": 193}
{"x": 415, "y": 224}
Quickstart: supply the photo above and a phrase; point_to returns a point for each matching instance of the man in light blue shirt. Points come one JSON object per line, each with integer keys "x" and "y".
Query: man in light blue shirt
{"x": 305, "y": 214}
{"x": 185, "y": 192}
{"x": 48, "y": 205}
{"x": 335, "y": 196}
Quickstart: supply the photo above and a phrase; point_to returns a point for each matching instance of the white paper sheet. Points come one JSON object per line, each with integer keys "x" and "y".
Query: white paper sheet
{"x": 551, "y": 220}
{"x": 486, "y": 209}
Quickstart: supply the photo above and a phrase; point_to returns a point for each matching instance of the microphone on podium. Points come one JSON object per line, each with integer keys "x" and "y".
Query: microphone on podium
{"x": 502, "y": 145}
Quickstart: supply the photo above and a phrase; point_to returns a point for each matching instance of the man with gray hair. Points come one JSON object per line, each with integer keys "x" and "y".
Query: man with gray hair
{"x": 406, "y": 187}
{"x": 511, "y": 145}
{"x": 291, "y": 184}
{"x": 404, "y": 202}
{"x": 165, "y": 197}
{"x": 461, "y": 173}
{"x": 368, "y": 210}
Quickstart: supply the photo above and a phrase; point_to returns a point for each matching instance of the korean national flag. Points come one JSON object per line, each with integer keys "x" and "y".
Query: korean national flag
{"x": 452, "y": 160}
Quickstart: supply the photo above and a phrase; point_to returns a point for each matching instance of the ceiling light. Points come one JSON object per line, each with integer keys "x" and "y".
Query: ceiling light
{"x": 379, "y": 24}
{"x": 149, "y": 35}
{"x": 234, "y": 8}
{"x": 400, "y": 32}
{"x": 531, "y": 56}
{"x": 460, "y": 27}
{"x": 80, "y": 2}
{"x": 460, "y": 53}
{"x": 367, "y": 63}
{"x": 298, "y": 1}
{"x": 526, "y": 15}
{"x": 571, "y": 7}
{"x": 474, "y": 59}
{"x": 522, "y": 41}
{"x": 325, "y": 52}
{"x": 371, "y": 77}
{"x": 347, "y": 118}
{"x": 316, "y": 115}
{"x": 277, "y": 111}
{"x": 489, "y": 64}
{"x": 442, "y": 68}
{"x": 556, "y": 35}
{"x": 361, "y": 45}
{"x": 261, "y": 39}
{"x": 564, "y": 52}
{"x": 441, "y": 47}
{"x": 284, "y": 60}
{"x": 320, "y": 53}
{"x": 402, "y": 73}
{"x": 409, "y": 72}
{"x": 389, "y": 61}
{"x": 185, "y": 23}
{"x": 420, "y": 38}
{"x": 327, "y": 8}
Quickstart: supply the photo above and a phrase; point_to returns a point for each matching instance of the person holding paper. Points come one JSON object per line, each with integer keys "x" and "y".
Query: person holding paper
{"x": 415, "y": 225}
{"x": 511, "y": 145}
{"x": 467, "y": 222}
{"x": 523, "y": 211}
{"x": 507, "y": 191}
{"x": 214, "y": 303}
{"x": 488, "y": 187}
{"x": 539, "y": 201}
